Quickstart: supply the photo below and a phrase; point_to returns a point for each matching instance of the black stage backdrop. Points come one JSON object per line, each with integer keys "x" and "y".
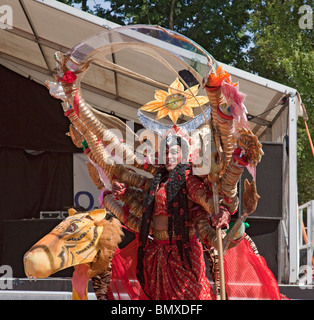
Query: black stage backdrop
{"x": 31, "y": 183}
{"x": 29, "y": 117}
{"x": 36, "y": 166}
{"x": 36, "y": 170}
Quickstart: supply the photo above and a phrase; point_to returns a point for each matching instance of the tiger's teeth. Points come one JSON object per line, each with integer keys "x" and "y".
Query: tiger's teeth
{"x": 30, "y": 278}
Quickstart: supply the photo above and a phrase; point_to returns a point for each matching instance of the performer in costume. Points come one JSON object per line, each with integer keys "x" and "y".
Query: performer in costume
{"x": 171, "y": 264}
{"x": 176, "y": 202}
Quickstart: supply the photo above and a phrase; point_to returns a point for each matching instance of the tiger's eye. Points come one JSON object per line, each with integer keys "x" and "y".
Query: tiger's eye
{"x": 71, "y": 228}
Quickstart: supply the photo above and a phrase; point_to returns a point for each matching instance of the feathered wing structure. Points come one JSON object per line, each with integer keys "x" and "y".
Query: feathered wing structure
{"x": 234, "y": 146}
{"x": 240, "y": 147}
{"x": 91, "y": 130}
{"x": 225, "y": 132}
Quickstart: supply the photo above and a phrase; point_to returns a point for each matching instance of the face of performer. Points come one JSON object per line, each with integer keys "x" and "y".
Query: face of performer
{"x": 173, "y": 157}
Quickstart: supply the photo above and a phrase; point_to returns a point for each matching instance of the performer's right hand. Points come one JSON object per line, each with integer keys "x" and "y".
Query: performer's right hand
{"x": 222, "y": 219}
{"x": 118, "y": 188}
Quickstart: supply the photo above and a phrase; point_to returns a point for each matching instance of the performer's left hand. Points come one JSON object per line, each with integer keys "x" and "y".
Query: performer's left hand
{"x": 222, "y": 219}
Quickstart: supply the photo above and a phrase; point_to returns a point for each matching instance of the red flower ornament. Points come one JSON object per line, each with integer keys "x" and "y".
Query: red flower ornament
{"x": 68, "y": 77}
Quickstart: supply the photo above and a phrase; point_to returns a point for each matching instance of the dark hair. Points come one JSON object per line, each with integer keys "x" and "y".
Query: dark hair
{"x": 172, "y": 140}
{"x": 178, "y": 212}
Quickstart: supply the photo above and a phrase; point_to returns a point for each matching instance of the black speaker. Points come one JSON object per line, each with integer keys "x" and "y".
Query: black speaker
{"x": 265, "y": 221}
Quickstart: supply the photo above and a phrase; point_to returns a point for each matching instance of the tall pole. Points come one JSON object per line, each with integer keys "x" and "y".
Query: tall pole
{"x": 215, "y": 169}
{"x": 219, "y": 246}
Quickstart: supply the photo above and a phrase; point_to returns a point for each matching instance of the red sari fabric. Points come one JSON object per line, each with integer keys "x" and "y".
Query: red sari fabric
{"x": 248, "y": 276}
{"x": 167, "y": 279}
{"x": 123, "y": 283}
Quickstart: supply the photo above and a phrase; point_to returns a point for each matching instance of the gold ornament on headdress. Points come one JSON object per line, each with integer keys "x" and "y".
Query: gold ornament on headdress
{"x": 175, "y": 102}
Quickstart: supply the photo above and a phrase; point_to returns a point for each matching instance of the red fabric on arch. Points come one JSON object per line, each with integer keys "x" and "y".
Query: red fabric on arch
{"x": 248, "y": 276}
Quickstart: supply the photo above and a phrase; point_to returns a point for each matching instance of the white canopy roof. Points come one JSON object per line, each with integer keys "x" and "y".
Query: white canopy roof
{"x": 42, "y": 27}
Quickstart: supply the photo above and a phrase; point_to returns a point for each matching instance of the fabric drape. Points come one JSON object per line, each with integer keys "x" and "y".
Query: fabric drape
{"x": 33, "y": 183}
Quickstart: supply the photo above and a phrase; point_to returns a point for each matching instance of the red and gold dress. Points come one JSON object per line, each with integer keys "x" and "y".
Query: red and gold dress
{"x": 166, "y": 278}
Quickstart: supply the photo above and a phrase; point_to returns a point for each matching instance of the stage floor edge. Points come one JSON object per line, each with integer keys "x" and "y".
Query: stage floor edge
{"x": 61, "y": 289}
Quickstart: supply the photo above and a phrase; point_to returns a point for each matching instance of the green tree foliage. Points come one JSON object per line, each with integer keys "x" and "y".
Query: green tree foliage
{"x": 260, "y": 36}
{"x": 217, "y": 25}
{"x": 283, "y": 52}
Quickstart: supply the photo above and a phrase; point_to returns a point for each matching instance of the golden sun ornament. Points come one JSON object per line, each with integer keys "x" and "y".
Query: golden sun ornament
{"x": 175, "y": 102}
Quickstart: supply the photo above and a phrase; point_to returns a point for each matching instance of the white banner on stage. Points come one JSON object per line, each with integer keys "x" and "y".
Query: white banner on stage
{"x": 85, "y": 192}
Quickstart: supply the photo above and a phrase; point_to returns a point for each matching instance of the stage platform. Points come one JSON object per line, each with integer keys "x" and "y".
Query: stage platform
{"x": 42, "y": 289}
{"x": 61, "y": 289}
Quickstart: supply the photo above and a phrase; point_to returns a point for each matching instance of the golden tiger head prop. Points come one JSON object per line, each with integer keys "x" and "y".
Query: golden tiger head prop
{"x": 82, "y": 238}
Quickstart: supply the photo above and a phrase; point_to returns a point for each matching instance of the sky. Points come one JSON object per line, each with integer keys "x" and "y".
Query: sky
{"x": 92, "y": 3}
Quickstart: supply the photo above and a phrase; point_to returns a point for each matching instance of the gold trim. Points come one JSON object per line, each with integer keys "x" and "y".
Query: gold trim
{"x": 161, "y": 235}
